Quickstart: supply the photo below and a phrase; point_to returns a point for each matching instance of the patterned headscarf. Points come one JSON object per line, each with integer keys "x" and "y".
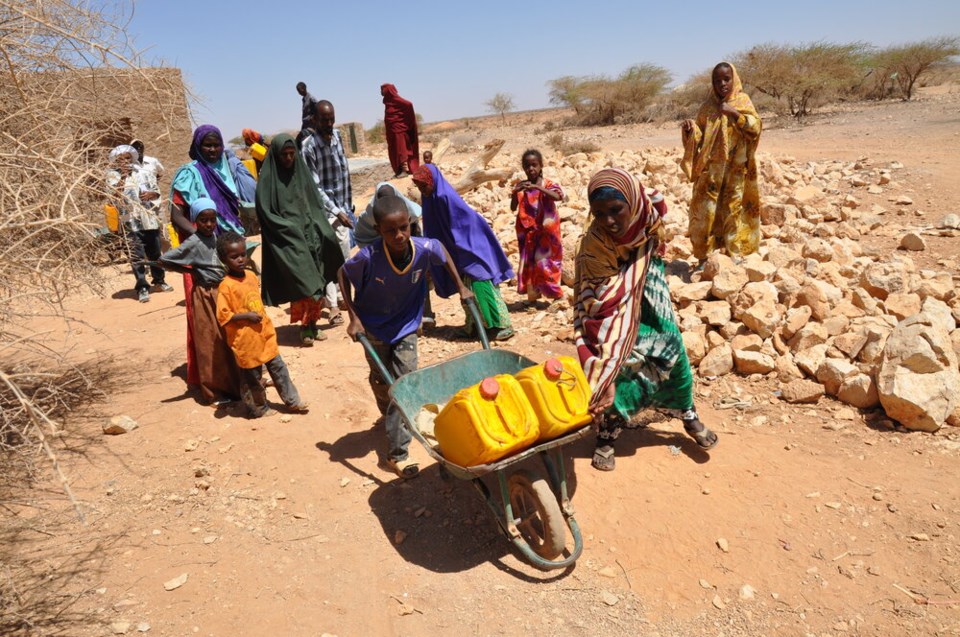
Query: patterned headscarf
{"x": 717, "y": 129}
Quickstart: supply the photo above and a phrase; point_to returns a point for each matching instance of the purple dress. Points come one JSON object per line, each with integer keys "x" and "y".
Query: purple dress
{"x": 465, "y": 234}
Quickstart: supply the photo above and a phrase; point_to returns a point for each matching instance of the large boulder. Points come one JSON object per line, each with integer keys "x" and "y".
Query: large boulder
{"x": 752, "y": 362}
{"x": 919, "y": 382}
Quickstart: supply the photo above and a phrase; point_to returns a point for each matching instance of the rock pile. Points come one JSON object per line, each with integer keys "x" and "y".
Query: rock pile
{"x": 812, "y": 309}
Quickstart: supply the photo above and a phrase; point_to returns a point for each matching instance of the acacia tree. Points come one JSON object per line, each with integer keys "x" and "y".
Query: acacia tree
{"x": 501, "y": 103}
{"x": 601, "y": 100}
{"x": 567, "y": 91}
{"x": 905, "y": 64}
{"x": 805, "y": 76}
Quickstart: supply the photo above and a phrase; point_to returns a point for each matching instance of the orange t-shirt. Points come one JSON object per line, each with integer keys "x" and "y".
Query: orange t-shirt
{"x": 253, "y": 344}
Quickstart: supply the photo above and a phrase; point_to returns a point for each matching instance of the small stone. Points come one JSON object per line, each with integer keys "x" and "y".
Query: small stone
{"x": 903, "y": 200}
{"x": 718, "y": 603}
{"x": 607, "y": 571}
{"x": 913, "y": 241}
{"x": 609, "y": 598}
{"x": 191, "y": 445}
{"x": 119, "y": 425}
{"x": 950, "y": 222}
{"x": 344, "y": 482}
{"x": 120, "y": 628}
{"x": 399, "y": 537}
{"x": 143, "y": 627}
{"x": 747, "y": 592}
{"x": 920, "y": 537}
{"x": 723, "y": 545}
{"x": 175, "y": 583}
{"x": 210, "y": 539}
{"x": 832, "y": 505}
{"x": 802, "y": 391}
{"x": 705, "y": 584}
{"x": 285, "y": 418}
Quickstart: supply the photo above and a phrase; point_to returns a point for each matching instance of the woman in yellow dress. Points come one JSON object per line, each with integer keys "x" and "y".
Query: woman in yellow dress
{"x": 719, "y": 158}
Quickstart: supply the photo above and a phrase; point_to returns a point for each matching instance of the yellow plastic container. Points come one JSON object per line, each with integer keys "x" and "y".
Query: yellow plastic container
{"x": 559, "y": 393}
{"x": 252, "y": 167}
{"x": 173, "y": 236}
{"x": 112, "y": 217}
{"x": 258, "y": 151}
{"x": 486, "y": 422}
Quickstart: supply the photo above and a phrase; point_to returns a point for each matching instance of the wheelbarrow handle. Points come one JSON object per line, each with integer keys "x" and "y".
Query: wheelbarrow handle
{"x": 471, "y": 305}
{"x": 372, "y": 353}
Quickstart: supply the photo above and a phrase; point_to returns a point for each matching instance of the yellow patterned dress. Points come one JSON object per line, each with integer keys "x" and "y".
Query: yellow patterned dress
{"x": 719, "y": 159}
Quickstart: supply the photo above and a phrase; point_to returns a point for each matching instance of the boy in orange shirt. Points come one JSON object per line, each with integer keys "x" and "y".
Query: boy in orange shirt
{"x": 250, "y": 331}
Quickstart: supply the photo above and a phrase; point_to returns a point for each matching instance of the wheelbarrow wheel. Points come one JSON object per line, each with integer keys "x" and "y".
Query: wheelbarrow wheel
{"x": 537, "y": 514}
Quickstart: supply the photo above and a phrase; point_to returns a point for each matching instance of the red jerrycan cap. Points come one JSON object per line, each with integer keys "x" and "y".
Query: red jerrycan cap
{"x": 489, "y": 388}
{"x": 552, "y": 369}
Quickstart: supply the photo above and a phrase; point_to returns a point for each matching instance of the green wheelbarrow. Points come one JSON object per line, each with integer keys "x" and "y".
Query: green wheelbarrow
{"x": 534, "y": 513}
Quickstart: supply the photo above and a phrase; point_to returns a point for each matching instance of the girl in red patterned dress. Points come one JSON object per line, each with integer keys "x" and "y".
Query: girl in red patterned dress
{"x": 538, "y": 231}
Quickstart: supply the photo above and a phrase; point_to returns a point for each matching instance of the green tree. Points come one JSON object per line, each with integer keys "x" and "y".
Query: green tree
{"x": 905, "y": 64}
{"x": 803, "y": 77}
{"x": 567, "y": 91}
{"x": 501, "y": 103}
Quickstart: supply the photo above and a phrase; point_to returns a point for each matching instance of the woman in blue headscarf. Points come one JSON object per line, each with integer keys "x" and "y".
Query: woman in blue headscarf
{"x": 218, "y": 175}
{"x": 473, "y": 247}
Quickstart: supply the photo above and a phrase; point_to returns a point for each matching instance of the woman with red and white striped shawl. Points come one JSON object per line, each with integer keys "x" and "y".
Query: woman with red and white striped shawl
{"x": 627, "y": 336}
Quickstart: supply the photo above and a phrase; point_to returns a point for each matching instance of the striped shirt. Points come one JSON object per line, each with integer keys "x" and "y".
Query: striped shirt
{"x": 327, "y": 162}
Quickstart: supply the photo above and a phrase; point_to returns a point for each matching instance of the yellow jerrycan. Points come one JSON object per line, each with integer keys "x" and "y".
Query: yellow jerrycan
{"x": 559, "y": 394}
{"x": 486, "y": 422}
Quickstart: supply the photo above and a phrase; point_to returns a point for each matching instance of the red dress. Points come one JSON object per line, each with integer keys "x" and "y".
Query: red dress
{"x": 400, "y": 127}
{"x": 539, "y": 243}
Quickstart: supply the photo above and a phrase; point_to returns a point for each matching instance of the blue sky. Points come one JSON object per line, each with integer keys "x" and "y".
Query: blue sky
{"x": 243, "y": 58}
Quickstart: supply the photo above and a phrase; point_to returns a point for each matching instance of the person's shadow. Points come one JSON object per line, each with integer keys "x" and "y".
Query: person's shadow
{"x": 645, "y": 435}
{"x": 437, "y": 521}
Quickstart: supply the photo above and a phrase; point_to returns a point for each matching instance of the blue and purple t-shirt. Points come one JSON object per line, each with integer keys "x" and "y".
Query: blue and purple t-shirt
{"x": 389, "y": 301}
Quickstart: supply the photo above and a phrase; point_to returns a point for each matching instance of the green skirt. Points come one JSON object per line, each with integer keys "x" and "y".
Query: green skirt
{"x": 493, "y": 309}
{"x": 657, "y": 372}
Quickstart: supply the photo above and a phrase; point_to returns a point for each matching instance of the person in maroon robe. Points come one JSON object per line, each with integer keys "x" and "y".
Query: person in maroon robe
{"x": 400, "y": 124}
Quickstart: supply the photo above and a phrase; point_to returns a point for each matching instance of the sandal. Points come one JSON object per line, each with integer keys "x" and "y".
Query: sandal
{"x": 405, "y": 468}
{"x": 307, "y": 336}
{"x": 336, "y": 319}
{"x": 501, "y": 334}
{"x": 704, "y": 437}
{"x": 603, "y": 458}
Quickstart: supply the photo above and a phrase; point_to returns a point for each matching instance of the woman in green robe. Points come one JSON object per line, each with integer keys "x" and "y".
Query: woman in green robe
{"x": 300, "y": 250}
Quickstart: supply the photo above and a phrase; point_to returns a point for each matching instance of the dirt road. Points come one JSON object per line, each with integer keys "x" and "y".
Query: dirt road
{"x": 803, "y": 521}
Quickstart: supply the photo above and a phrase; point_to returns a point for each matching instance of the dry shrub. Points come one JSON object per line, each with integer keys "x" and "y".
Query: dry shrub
{"x": 566, "y": 147}
{"x": 71, "y": 86}
{"x": 602, "y": 101}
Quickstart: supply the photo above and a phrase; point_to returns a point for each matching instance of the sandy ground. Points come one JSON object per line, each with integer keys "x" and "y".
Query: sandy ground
{"x": 288, "y": 526}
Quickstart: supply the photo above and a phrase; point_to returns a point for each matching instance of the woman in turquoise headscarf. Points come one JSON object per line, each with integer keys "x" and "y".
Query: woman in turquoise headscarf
{"x": 221, "y": 177}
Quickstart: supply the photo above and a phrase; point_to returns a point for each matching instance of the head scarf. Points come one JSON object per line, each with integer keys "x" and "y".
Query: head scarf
{"x": 251, "y": 137}
{"x": 365, "y": 231}
{"x": 200, "y": 205}
{"x": 214, "y": 180}
{"x": 463, "y": 232}
{"x": 124, "y": 149}
{"x": 717, "y": 132}
{"x": 300, "y": 250}
{"x": 423, "y": 176}
{"x": 610, "y": 274}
